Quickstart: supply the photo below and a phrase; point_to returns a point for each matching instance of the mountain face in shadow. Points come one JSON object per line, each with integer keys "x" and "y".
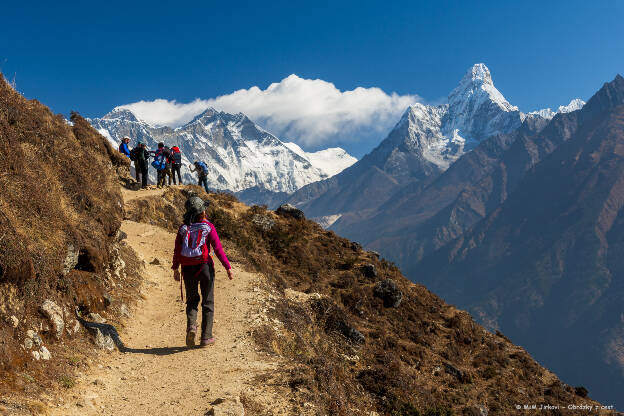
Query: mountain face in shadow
{"x": 416, "y": 221}
{"x": 545, "y": 266}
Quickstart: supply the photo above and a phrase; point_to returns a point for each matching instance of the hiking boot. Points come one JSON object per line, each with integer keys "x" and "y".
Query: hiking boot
{"x": 207, "y": 341}
{"x": 190, "y": 337}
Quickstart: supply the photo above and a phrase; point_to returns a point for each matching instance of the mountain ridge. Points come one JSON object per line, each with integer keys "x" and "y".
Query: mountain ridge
{"x": 423, "y": 144}
{"x": 557, "y": 241}
{"x": 241, "y": 156}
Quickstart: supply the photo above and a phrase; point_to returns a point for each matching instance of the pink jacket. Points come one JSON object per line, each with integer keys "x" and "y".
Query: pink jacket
{"x": 212, "y": 240}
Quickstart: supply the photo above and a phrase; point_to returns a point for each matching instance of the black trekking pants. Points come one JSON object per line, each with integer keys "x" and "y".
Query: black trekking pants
{"x": 202, "y": 275}
{"x": 203, "y": 180}
{"x": 143, "y": 170}
{"x": 176, "y": 168}
{"x": 137, "y": 171}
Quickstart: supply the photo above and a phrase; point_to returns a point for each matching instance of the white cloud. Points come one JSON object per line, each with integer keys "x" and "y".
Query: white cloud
{"x": 309, "y": 112}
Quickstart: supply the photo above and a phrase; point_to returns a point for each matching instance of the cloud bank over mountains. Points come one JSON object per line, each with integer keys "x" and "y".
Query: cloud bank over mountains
{"x": 311, "y": 112}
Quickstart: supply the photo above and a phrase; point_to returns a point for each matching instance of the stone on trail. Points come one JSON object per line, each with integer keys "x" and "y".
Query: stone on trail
{"x": 96, "y": 317}
{"x": 104, "y": 342}
{"x": 230, "y": 406}
{"x": 123, "y": 310}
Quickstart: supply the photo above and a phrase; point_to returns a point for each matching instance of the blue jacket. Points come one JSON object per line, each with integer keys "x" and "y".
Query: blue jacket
{"x": 123, "y": 148}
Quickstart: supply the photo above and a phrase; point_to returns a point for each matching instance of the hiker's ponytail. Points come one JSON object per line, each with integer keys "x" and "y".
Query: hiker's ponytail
{"x": 189, "y": 218}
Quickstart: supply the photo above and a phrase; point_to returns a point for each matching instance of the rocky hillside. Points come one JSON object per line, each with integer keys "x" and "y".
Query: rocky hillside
{"x": 60, "y": 211}
{"x": 358, "y": 334}
{"x": 547, "y": 261}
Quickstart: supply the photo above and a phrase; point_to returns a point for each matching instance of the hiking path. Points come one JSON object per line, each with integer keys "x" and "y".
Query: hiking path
{"x": 158, "y": 375}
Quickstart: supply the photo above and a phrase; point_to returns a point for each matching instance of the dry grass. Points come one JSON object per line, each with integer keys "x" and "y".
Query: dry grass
{"x": 423, "y": 358}
{"x": 59, "y": 188}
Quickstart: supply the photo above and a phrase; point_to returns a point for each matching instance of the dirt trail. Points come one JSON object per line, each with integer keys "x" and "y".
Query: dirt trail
{"x": 159, "y": 375}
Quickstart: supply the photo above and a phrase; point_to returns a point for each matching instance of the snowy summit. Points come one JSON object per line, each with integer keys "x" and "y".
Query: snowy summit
{"x": 240, "y": 155}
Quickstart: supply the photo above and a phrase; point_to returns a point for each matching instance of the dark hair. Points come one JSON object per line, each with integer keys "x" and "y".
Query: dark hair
{"x": 189, "y": 217}
{"x": 161, "y": 145}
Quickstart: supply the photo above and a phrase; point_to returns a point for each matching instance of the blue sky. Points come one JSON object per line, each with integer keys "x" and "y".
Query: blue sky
{"x": 93, "y": 56}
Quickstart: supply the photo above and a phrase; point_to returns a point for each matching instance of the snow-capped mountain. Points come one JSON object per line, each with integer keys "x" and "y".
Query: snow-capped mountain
{"x": 239, "y": 154}
{"x": 330, "y": 161}
{"x": 423, "y": 144}
{"x": 547, "y": 113}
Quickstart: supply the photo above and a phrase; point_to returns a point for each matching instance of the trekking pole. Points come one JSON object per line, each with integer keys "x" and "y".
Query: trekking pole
{"x": 181, "y": 289}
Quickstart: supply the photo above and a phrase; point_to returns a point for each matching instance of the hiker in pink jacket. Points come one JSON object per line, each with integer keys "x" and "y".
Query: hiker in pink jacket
{"x": 192, "y": 252}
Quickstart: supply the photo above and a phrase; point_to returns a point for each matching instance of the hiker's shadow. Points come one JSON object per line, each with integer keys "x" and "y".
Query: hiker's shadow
{"x": 103, "y": 331}
{"x": 154, "y": 351}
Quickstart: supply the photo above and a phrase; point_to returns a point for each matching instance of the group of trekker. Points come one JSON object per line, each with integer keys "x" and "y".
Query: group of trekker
{"x": 167, "y": 162}
{"x": 195, "y": 237}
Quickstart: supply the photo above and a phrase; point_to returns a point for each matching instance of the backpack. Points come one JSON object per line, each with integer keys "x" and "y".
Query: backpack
{"x": 134, "y": 154}
{"x": 160, "y": 161}
{"x": 166, "y": 153}
{"x": 194, "y": 247}
{"x": 177, "y": 158}
{"x": 203, "y": 167}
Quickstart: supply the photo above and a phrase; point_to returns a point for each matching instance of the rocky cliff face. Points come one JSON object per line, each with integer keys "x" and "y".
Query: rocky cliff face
{"x": 547, "y": 260}
{"x": 240, "y": 155}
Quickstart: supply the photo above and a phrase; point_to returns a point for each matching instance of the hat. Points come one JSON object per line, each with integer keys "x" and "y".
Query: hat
{"x": 195, "y": 205}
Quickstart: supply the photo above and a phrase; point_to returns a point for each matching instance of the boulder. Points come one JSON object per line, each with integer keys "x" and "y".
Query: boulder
{"x": 14, "y": 321}
{"x": 123, "y": 310}
{"x": 28, "y": 343}
{"x": 54, "y": 313}
{"x": 108, "y": 299}
{"x": 478, "y": 410}
{"x": 388, "y": 291}
{"x": 34, "y": 337}
{"x": 287, "y": 210}
{"x": 263, "y": 222}
{"x": 44, "y": 354}
{"x": 104, "y": 342}
{"x": 369, "y": 270}
{"x": 71, "y": 259}
{"x": 354, "y": 335}
{"x": 96, "y": 317}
